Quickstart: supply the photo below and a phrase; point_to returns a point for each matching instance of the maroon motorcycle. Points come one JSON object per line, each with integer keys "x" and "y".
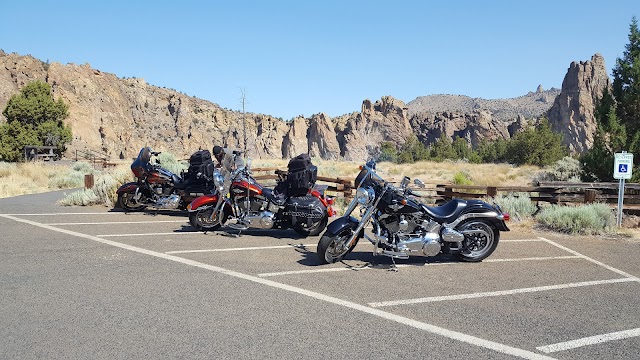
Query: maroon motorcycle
{"x": 160, "y": 188}
{"x": 241, "y": 203}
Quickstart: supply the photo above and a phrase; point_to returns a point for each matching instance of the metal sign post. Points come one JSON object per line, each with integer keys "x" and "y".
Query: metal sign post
{"x": 622, "y": 167}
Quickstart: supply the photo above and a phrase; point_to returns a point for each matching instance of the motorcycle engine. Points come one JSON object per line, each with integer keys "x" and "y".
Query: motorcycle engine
{"x": 413, "y": 235}
{"x": 250, "y": 204}
{"x": 401, "y": 223}
{"x": 162, "y": 189}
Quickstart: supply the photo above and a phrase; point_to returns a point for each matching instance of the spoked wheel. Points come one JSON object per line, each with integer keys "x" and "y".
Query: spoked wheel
{"x": 314, "y": 229}
{"x": 201, "y": 219}
{"x": 480, "y": 240}
{"x": 330, "y": 247}
{"x": 127, "y": 201}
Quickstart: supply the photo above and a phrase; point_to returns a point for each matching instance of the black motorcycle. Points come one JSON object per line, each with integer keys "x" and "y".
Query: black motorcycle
{"x": 402, "y": 226}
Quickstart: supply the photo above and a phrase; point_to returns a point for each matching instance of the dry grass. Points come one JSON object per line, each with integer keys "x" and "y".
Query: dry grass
{"x": 428, "y": 171}
{"x": 28, "y": 178}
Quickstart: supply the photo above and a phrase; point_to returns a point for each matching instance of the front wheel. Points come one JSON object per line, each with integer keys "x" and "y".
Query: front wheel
{"x": 202, "y": 220}
{"x": 331, "y": 247}
{"x": 313, "y": 230}
{"x": 480, "y": 240}
{"x": 127, "y": 201}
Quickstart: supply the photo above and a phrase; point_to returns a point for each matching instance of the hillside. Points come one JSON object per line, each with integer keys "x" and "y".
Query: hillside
{"x": 118, "y": 116}
{"x": 530, "y": 105}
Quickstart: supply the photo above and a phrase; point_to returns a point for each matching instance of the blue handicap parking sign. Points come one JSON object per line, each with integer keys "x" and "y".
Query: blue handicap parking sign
{"x": 622, "y": 168}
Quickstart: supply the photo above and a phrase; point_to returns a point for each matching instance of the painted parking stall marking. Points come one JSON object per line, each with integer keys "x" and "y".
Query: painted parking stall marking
{"x": 372, "y": 308}
{"x": 469, "y": 339}
{"x": 369, "y": 267}
{"x": 116, "y": 222}
{"x": 591, "y": 340}
{"x": 498, "y": 293}
{"x": 252, "y": 248}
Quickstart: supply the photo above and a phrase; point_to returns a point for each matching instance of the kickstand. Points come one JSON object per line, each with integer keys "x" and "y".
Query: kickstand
{"x": 232, "y": 235}
{"x": 393, "y": 267}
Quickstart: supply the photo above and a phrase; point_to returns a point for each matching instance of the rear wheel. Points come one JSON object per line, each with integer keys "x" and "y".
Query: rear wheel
{"x": 480, "y": 240}
{"x": 127, "y": 201}
{"x": 315, "y": 229}
{"x": 202, "y": 220}
{"x": 331, "y": 247}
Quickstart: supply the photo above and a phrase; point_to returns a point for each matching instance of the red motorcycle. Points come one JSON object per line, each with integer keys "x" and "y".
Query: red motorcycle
{"x": 240, "y": 202}
{"x": 160, "y": 188}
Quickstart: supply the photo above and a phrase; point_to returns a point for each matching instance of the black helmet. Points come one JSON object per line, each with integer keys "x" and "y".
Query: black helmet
{"x": 217, "y": 150}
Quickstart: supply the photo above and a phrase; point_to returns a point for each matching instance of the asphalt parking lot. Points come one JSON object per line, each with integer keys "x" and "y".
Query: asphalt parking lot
{"x": 95, "y": 283}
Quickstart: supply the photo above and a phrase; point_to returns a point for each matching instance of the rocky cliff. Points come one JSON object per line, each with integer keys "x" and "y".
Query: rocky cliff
{"x": 119, "y": 116}
{"x": 572, "y": 113}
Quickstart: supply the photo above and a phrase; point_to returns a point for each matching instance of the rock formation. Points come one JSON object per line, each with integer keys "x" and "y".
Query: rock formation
{"x": 119, "y": 116}
{"x": 572, "y": 113}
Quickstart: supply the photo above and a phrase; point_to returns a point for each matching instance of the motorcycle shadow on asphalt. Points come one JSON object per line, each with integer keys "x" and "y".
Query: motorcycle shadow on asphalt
{"x": 364, "y": 259}
{"x": 151, "y": 212}
{"x": 234, "y": 233}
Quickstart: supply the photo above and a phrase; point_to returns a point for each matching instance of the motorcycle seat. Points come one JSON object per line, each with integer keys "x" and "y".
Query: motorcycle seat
{"x": 447, "y": 212}
{"x": 278, "y": 199}
{"x": 178, "y": 183}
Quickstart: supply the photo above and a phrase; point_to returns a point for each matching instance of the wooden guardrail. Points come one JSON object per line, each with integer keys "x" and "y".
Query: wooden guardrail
{"x": 96, "y": 158}
{"x": 339, "y": 186}
{"x": 561, "y": 193}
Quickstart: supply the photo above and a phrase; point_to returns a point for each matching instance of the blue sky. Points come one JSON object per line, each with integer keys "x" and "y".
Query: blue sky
{"x": 304, "y": 57}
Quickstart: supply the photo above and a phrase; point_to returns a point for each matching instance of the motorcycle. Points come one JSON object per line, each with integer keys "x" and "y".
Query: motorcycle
{"x": 240, "y": 202}
{"x": 159, "y": 188}
{"x": 403, "y": 227}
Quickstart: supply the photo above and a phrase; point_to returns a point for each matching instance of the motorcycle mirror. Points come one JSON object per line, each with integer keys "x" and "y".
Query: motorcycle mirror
{"x": 405, "y": 182}
{"x": 418, "y": 182}
{"x": 371, "y": 164}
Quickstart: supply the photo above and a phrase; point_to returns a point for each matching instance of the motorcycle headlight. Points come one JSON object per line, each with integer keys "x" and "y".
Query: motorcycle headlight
{"x": 218, "y": 181}
{"x": 365, "y": 195}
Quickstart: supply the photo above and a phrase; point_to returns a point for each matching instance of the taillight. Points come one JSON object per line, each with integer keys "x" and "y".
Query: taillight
{"x": 505, "y": 216}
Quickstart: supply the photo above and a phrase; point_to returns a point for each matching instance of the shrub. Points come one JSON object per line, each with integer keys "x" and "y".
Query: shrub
{"x": 73, "y": 178}
{"x": 103, "y": 191}
{"x": 82, "y": 197}
{"x": 519, "y": 206}
{"x": 585, "y": 219}
{"x": 565, "y": 169}
{"x": 462, "y": 178}
{"x": 169, "y": 162}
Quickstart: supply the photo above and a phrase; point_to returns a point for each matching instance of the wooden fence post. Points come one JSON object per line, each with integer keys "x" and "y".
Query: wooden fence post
{"x": 590, "y": 196}
{"x": 88, "y": 181}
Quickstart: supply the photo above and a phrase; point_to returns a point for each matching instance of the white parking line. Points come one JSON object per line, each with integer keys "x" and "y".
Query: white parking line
{"x": 119, "y": 222}
{"x": 591, "y": 340}
{"x": 151, "y": 234}
{"x": 294, "y": 272}
{"x": 538, "y": 258}
{"x": 239, "y": 249}
{"x": 56, "y": 214}
{"x": 497, "y": 293}
{"x": 520, "y": 240}
{"x": 610, "y": 268}
{"x": 458, "y": 336}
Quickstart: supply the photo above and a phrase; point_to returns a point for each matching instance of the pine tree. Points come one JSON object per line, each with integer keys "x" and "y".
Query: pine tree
{"x": 626, "y": 82}
{"x": 33, "y": 118}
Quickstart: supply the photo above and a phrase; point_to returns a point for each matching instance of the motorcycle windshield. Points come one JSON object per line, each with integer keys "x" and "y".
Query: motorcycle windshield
{"x": 368, "y": 177}
{"x": 140, "y": 164}
{"x": 230, "y": 167}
